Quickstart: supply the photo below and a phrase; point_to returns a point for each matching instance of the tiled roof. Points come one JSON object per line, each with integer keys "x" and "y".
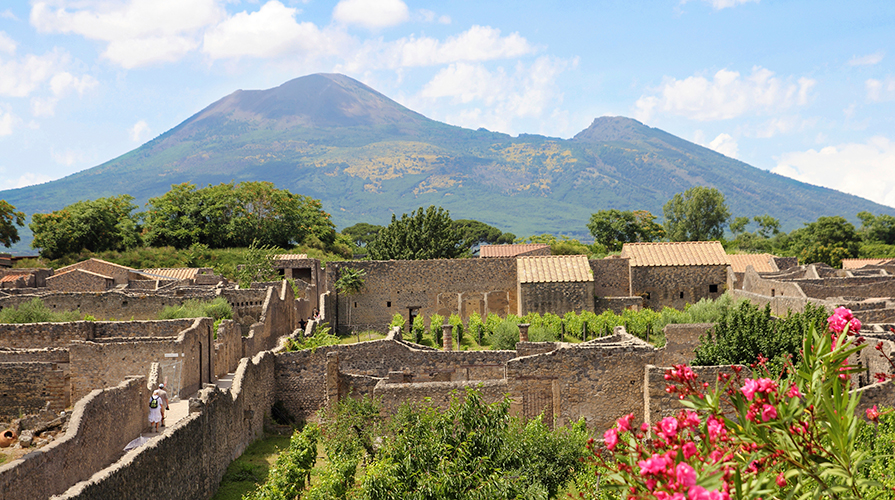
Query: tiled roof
{"x": 553, "y": 269}
{"x": 761, "y": 262}
{"x": 678, "y": 253}
{"x": 859, "y": 263}
{"x": 174, "y": 273}
{"x": 509, "y": 250}
{"x": 290, "y": 256}
{"x": 11, "y": 278}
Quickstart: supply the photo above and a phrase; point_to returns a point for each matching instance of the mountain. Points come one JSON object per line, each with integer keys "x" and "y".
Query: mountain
{"x": 365, "y": 156}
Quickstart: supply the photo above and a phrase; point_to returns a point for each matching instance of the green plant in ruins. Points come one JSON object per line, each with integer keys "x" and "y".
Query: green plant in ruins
{"x": 424, "y": 234}
{"x": 456, "y": 328}
{"x": 435, "y": 322}
{"x": 418, "y": 329}
{"x": 350, "y": 281}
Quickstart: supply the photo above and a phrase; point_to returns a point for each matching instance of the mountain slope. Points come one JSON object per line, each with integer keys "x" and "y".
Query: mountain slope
{"x": 366, "y": 156}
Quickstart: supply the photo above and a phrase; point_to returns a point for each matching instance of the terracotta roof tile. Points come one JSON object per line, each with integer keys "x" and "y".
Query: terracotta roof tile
{"x": 509, "y": 250}
{"x": 761, "y": 262}
{"x": 682, "y": 253}
{"x": 11, "y": 278}
{"x": 78, "y": 265}
{"x": 174, "y": 273}
{"x": 290, "y": 256}
{"x": 553, "y": 269}
{"x": 859, "y": 263}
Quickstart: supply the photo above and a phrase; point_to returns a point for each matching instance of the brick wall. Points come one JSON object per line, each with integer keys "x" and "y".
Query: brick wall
{"x": 442, "y": 286}
{"x": 612, "y": 277}
{"x": 677, "y": 286}
{"x": 100, "y": 426}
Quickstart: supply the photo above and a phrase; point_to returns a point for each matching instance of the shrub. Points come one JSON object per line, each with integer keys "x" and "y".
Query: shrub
{"x": 217, "y": 309}
{"x": 35, "y": 311}
{"x": 418, "y": 329}
{"x": 476, "y": 327}
{"x": 287, "y": 478}
{"x": 398, "y": 320}
{"x": 435, "y": 322}
{"x": 505, "y": 336}
{"x": 320, "y": 338}
{"x": 540, "y": 333}
{"x": 456, "y": 328}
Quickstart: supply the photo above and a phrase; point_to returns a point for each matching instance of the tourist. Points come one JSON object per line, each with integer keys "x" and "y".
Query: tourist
{"x": 163, "y": 397}
{"x": 155, "y": 411}
{"x": 316, "y": 316}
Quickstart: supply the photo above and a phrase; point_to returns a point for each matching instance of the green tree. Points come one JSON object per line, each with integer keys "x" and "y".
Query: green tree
{"x": 827, "y": 240}
{"x": 698, "y": 214}
{"x": 877, "y": 229}
{"x": 350, "y": 281}
{"x": 257, "y": 265}
{"x": 565, "y": 245}
{"x": 99, "y": 225}
{"x": 613, "y": 228}
{"x": 767, "y": 225}
{"x": 9, "y": 219}
{"x": 234, "y": 215}
{"x": 738, "y": 225}
{"x": 475, "y": 233}
{"x": 362, "y": 233}
{"x": 424, "y": 234}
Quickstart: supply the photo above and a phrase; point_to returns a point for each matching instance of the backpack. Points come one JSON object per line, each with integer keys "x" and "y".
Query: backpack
{"x": 153, "y": 402}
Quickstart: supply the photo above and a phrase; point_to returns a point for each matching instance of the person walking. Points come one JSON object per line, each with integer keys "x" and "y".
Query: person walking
{"x": 163, "y": 398}
{"x": 155, "y": 411}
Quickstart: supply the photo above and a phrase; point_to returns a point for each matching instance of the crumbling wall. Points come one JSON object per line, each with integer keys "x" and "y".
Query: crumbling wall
{"x": 278, "y": 317}
{"x": 101, "y": 425}
{"x": 227, "y": 348}
{"x": 680, "y": 343}
{"x": 113, "y": 304}
{"x": 40, "y": 335}
{"x": 189, "y": 460}
{"x": 677, "y": 286}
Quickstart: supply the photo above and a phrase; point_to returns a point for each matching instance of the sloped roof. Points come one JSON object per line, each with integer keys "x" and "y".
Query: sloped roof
{"x": 676, "y": 253}
{"x": 761, "y": 262}
{"x": 291, "y": 256}
{"x": 90, "y": 273}
{"x": 11, "y": 278}
{"x": 78, "y": 265}
{"x": 174, "y": 273}
{"x": 859, "y": 263}
{"x": 553, "y": 269}
{"x": 509, "y": 250}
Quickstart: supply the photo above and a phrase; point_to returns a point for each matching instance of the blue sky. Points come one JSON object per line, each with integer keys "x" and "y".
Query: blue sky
{"x": 803, "y": 88}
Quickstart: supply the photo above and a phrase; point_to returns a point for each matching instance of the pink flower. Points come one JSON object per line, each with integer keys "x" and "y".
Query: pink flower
{"x": 691, "y": 419}
{"x": 689, "y": 449}
{"x": 624, "y": 423}
{"x": 611, "y": 438}
{"x": 768, "y": 412}
{"x": 873, "y": 414}
{"x": 766, "y": 386}
{"x": 843, "y": 319}
{"x": 652, "y": 465}
{"x": 781, "y": 480}
{"x": 749, "y": 389}
{"x": 793, "y": 391}
{"x": 715, "y": 427}
{"x": 686, "y": 476}
{"x": 668, "y": 426}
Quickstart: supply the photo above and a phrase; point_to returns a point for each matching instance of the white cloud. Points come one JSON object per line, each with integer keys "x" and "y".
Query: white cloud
{"x": 868, "y": 60}
{"x": 7, "y": 121}
{"x": 138, "y": 32}
{"x": 68, "y": 157}
{"x": 723, "y": 4}
{"x": 61, "y": 85}
{"x": 7, "y": 44}
{"x": 493, "y": 99}
{"x": 726, "y": 95}
{"x": 8, "y": 14}
{"x": 43, "y": 106}
{"x": 25, "y": 180}
{"x": 726, "y": 145}
{"x": 272, "y": 31}
{"x": 774, "y": 126}
{"x": 428, "y": 16}
{"x": 478, "y": 43}
{"x": 862, "y": 169}
{"x": 21, "y": 77}
{"x": 880, "y": 90}
{"x": 140, "y": 131}
{"x": 372, "y": 14}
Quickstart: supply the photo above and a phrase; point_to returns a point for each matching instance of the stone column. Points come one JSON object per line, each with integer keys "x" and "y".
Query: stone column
{"x": 332, "y": 378}
{"x": 447, "y": 337}
{"x": 523, "y": 332}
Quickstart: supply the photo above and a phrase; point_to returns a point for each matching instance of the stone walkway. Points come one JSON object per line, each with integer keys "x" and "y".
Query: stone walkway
{"x": 180, "y": 408}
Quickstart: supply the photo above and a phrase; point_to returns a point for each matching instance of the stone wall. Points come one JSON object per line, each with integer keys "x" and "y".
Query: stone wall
{"x": 227, "y": 348}
{"x": 681, "y": 342}
{"x": 41, "y": 335}
{"x": 869, "y": 286}
{"x": 117, "y": 272}
{"x": 301, "y": 375}
{"x": 26, "y": 387}
{"x": 442, "y": 286}
{"x": 190, "y": 458}
{"x": 186, "y": 358}
{"x": 617, "y": 304}
{"x": 439, "y": 394}
{"x": 677, "y": 286}
{"x": 612, "y": 277}
{"x": 100, "y": 426}
{"x": 659, "y": 403}
{"x": 557, "y": 298}
{"x": 112, "y": 304}
{"x": 279, "y": 317}
{"x": 31, "y": 277}
{"x": 79, "y": 280}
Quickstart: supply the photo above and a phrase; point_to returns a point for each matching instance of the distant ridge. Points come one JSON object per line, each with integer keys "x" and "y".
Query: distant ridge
{"x": 366, "y": 157}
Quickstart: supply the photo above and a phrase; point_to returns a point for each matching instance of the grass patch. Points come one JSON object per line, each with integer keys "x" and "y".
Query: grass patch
{"x": 218, "y": 308}
{"x": 250, "y": 469}
{"x": 364, "y": 337}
